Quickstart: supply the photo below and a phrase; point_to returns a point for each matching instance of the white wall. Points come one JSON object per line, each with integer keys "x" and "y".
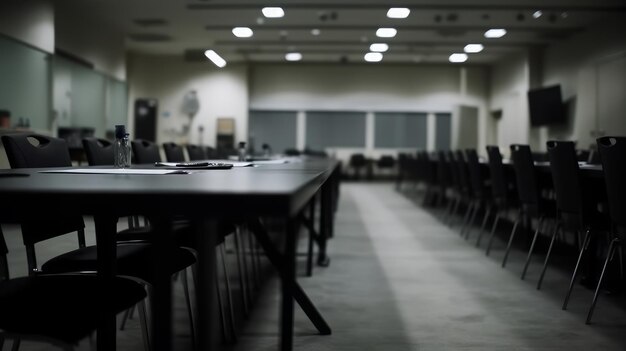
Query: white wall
{"x": 84, "y": 35}
{"x": 31, "y": 22}
{"x": 222, "y": 93}
{"x": 574, "y": 64}
{"x": 509, "y": 86}
{"x": 369, "y": 88}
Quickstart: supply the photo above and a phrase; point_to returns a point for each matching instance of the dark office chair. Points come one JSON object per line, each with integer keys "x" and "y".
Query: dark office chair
{"x": 60, "y": 309}
{"x": 613, "y": 157}
{"x": 32, "y": 150}
{"x": 173, "y": 152}
{"x": 357, "y": 162}
{"x": 195, "y": 152}
{"x": 502, "y": 192}
{"x": 481, "y": 196}
{"x": 532, "y": 205}
{"x": 444, "y": 175}
{"x": 99, "y": 152}
{"x": 575, "y": 208}
{"x": 464, "y": 187}
{"x": 386, "y": 162}
{"x": 211, "y": 153}
{"x": 145, "y": 152}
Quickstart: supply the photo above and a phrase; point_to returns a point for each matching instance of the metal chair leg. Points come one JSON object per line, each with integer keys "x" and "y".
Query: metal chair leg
{"x": 143, "y": 320}
{"x": 508, "y": 246}
{"x": 192, "y": 325}
{"x": 557, "y": 228}
{"x": 491, "y": 235}
{"x": 220, "y": 306}
{"x": 448, "y": 209}
{"x": 229, "y": 295}
{"x": 583, "y": 249}
{"x": 254, "y": 268}
{"x": 455, "y": 210}
{"x": 599, "y": 285}
{"x": 531, "y": 249}
{"x": 466, "y": 217}
{"x": 16, "y": 344}
{"x": 483, "y": 225}
{"x": 470, "y": 225}
{"x": 242, "y": 270}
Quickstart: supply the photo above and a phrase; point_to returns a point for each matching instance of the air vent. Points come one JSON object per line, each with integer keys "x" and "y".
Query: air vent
{"x": 149, "y": 37}
{"x": 150, "y": 22}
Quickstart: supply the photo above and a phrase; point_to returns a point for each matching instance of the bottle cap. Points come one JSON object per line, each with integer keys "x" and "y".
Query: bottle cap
{"x": 120, "y": 131}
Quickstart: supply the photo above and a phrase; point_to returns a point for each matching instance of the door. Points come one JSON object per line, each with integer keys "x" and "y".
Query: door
{"x": 145, "y": 119}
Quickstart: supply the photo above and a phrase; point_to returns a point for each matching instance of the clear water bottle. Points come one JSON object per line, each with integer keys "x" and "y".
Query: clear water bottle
{"x": 121, "y": 148}
{"x": 242, "y": 151}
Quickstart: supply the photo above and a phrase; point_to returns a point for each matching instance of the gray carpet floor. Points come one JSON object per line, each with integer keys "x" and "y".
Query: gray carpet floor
{"x": 399, "y": 279}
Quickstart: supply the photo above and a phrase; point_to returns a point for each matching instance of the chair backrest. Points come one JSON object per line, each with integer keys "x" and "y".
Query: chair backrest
{"x": 496, "y": 173}
{"x": 145, "y": 152}
{"x": 173, "y": 152}
{"x": 444, "y": 170}
{"x": 477, "y": 180}
{"x": 195, "y": 152}
{"x": 34, "y": 150}
{"x": 564, "y": 169}
{"x": 99, "y": 152}
{"x": 357, "y": 160}
{"x": 386, "y": 161}
{"x": 462, "y": 171}
{"x": 525, "y": 175}
{"x": 211, "y": 153}
{"x": 613, "y": 157}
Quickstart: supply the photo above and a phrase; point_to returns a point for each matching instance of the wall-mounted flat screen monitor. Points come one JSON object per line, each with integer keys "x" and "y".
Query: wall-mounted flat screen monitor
{"x": 546, "y": 106}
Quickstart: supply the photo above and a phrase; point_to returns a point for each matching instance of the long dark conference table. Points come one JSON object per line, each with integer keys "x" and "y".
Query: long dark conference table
{"x": 206, "y": 197}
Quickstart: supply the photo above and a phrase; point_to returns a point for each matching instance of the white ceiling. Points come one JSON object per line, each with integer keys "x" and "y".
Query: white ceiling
{"x": 434, "y": 29}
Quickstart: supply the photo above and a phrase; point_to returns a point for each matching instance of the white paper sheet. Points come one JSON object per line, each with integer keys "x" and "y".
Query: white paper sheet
{"x": 115, "y": 171}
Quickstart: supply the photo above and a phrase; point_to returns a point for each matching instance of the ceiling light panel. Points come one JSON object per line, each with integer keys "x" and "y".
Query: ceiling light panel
{"x": 495, "y": 33}
{"x": 215, "y": 58}
{"x": 398, "y": 12}
{"x": 273, "y": 12}
{"x": 373, "y": 57}
{"x": 473, "y": 48}
{"x": 386, "y": 32}
{"x": 293, "y": 56}
{"x": 379, "y": 47}
{"x": 242, "y": 32}
{"x": 458, "y": 58}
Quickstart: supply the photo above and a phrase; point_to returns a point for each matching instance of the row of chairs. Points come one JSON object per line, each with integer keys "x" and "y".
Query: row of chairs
{"x": 99, "y": 151}
{"x": 562, "y": 197}
{"x": 32, "y": 306}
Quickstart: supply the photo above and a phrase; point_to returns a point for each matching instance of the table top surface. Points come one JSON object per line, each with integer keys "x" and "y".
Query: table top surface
{"x": 261, "y": 189}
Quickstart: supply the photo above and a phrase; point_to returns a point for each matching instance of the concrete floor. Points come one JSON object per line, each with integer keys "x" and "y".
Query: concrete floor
{"x": 401, "y": 280}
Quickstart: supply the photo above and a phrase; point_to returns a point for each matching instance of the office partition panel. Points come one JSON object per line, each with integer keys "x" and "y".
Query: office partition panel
{"x": 276, "y": 128}
{"x": 443, "y": 131}
{"x": 400, "y": 130}
{"x": 25, "y": 84}
{"x": 334, "y": 129}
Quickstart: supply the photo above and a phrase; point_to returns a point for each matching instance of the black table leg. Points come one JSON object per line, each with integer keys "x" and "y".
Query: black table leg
{"x": 161, "y": 299}
{"x": 288, "y": 280}
{"x": 326, "y": 224}
{"x": 206, "y": 230}
{"x": 276, "y": 259}
{"x": 106, "y": 228}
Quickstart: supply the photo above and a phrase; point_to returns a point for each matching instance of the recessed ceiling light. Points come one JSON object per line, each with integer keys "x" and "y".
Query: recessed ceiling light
{"x": 273, "y": 12}
{"x": 315, "y": 31}
{"x": 379, "y": 47}
{"x": 373, "y": 57}
{"x": 537, "y": 14}
{"x": 398, "y": 12}
{"x": 293, "y": 56}
{"x": 473, "y": 48}
{"x": 242, "y": 32}
{"x": 458, "y": 58}
{"x": 495, "y": 33}
{"x": 386, "y": 32}
{"x": 215, "y": 58}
